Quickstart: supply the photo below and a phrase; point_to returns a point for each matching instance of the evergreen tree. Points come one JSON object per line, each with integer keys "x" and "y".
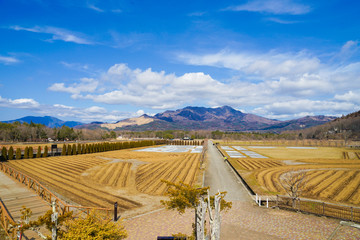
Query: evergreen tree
{"x": 87, "y": 148}
{"x": 63, "y": 152}
{"x": 18, "y": 153}
{"x": 74, "y": 151}
{"x": 38, "y": 154}
{"x": 69, "y": 150}
{"x": 11, "y": 153}
{"x": 31, "y": 152}
{"x": 79, "y": 148}
{"x": 4, "y": 156}
{"x": 26, "y": 153}
{"x": 45, "y": 154}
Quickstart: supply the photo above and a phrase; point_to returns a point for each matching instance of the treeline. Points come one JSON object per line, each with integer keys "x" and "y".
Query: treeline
{"x": 32, "y": 132}
{"x": 10, "y": 154}
{"x": 344, "y": 128}
{"x": 184, "y": 142}
{"x": 75, "y": 149}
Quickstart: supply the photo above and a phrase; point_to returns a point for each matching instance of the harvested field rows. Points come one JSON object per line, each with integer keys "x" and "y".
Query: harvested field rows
{"x": 64, "y": 178}
{"x": 341, "y": 185}
{"x": 250, "y": 164}
{"x": 100, "y": 179}
{"x": 113, "y": 174}
{"x": 148, "y": 177}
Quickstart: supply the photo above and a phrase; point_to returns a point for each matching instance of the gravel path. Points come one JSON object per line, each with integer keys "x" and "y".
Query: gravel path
{"x": 219, "y": 176}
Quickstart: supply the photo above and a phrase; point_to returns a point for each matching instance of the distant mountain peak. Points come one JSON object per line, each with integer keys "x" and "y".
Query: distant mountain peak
{"x": 48, "y": 121}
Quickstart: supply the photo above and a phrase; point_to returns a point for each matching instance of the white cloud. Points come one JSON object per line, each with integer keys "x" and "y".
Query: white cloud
{"x": 85, "y": 85}
{"x": 93, "y": 7}
{"x": 273, "y": 7}
{"x": 271, "y": 64}
{"x": 95, "y": 109}
{"x": 348, "y": 50}
{"x": 350, "y": 96}
{"x": 273, "y": 84}
{"x": 281, "y": 21}
{"x": 140, "y": 112}
{"x": 57, "y": 34}
{"x": 24, "y": 103}
{"x": 8, "y": 60}
{"x": 304, "y": 107}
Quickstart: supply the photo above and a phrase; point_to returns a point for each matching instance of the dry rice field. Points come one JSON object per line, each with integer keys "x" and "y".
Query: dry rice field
{"x": 332, "y": 174}
{"x": 100, "y": 179}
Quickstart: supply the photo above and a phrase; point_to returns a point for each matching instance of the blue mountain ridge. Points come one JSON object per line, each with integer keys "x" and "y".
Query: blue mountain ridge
{"x": 48, "y": 121}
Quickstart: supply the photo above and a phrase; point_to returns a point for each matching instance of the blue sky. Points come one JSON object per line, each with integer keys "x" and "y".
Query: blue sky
{"x": 107, "y": 60}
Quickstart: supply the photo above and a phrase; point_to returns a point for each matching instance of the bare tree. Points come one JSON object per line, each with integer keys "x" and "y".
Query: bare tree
{"x": 294, "y": 183}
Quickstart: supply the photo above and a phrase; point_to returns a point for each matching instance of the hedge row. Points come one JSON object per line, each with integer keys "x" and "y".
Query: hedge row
{"x": 28, "y": 153}
{"x": 184, "y": 142}
{"x": 74, "y": 149}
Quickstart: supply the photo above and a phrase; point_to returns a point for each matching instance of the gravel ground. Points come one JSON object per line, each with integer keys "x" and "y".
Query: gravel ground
{"x": 244, "y": 221}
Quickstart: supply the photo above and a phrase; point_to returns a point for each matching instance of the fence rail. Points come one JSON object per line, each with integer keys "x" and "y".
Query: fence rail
{"x": 7, "y": 222}
{"x": 342, "y": 212}
{"x": 46, "y": 195}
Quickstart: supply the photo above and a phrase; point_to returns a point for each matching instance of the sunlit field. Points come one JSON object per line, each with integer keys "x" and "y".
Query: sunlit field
{"x": 124, "y": 176}
{"x": 333, "y": 174}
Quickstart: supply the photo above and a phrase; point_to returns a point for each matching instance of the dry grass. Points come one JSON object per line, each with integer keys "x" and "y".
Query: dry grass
{"x": 330, "y": 176}
{"x": 100, "y": 179}
{"x": 283, "y": 153}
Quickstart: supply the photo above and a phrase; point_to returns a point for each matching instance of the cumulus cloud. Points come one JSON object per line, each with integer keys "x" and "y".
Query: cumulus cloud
{"x": 273, "y": 84}
{"x": 273, "y": 7}
{"x": 24, "y": 103}
{"x": 157, "y": 90}
{"x": 85, "y": 85}
{"x": 56, "y": 33}
{"x": 350, "y": 96}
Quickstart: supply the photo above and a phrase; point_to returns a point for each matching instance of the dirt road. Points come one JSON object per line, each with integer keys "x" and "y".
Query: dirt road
{"x": 219, "y": 176}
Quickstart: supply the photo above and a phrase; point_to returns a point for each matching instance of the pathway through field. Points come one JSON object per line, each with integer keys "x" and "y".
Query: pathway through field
{"x": 244, "y": 220}
{"x": 219, "y": 176}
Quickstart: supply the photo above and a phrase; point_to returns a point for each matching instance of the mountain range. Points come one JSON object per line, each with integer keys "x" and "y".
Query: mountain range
{"x": 193, "y": 118}
{"x": 48, "y": 121}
